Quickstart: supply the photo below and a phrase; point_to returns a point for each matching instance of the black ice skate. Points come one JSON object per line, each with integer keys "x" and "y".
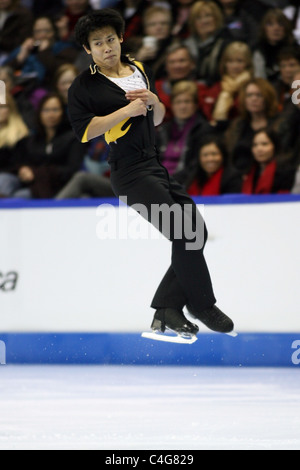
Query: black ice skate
{"x": 215, "y": 320}
{"x": 174, "y": 321}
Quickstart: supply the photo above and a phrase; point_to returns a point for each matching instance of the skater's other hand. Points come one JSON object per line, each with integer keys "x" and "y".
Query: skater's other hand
{"x": 149, "y": 98}
{"x": 137, "y": 108}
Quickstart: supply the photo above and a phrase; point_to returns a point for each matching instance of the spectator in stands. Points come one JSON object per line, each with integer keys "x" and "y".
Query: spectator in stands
{"x": 179, "y": 65}
{"x": 64, "y": 78}
{"x": 181, "y": 13}
{"x": 209, "y": 37}
{"x": 289, "y": 64}
{"x": 52, "y": 155}
{"x": 241, "y": 25}
{"x": 12, "y": 131}
{"x": 46, "y": 7}
{"x": 210, "y": 174}
{"x": 75, "y": 9}
{"x": 293, "y": 13}
{"x": 40, "y": 56}
{"x": 27, "y": 95}
{"x": 15, "y": 26}
{"x": 236, "y": 70}
{"x": 176, "y": 138}
{"x": 132, "y": 12}
{"x": 268, "y": 174}
{"x": 150, "y": 49}
{"x": 258, "y": 110}
{"x": 276, "y": 32}
{"x": 289, "y": 123}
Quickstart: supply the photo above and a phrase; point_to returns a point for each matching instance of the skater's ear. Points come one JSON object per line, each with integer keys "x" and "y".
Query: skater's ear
{"x": 88, "y": 51}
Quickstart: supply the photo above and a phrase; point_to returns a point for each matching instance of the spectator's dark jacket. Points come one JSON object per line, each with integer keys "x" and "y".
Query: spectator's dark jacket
{"x": 53, "y": 163}
{"x": 17, "y": 28}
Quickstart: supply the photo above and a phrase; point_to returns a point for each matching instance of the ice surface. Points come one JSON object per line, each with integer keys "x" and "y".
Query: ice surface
{"x": 161, "y": 408}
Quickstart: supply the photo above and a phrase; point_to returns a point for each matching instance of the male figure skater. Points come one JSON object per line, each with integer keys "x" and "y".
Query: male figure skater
{"x": 116, "y": 97}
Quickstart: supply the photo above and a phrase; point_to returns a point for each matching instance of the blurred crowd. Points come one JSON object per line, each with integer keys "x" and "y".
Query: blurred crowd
{"x": 228, "y": 72}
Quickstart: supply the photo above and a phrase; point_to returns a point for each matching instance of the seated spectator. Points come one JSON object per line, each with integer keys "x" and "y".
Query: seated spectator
{"x": 209, "y": 37}
{"x": 211, "y": 175}
{"x": 40, "y": 56}
{"x": 289, "y": 123}
{"x": 236, "y": 70}
{"x": 268, "y": 174}
{"x": 150, "y": 49}
{"x": 64, "y": 78}
{"x": 94, "y": 181}
{"x": 293, "y": 13}
{"x": 44, "y": 7}
{"x": 12, "y": 131}
{"x": 241, "y": 25}
{"x": 179, "y": 66}
{"x": 289, "y": 64}
{"x": 132, "y": 12}
{"x": 258, "y": 110}
{"x": 176, "y": 138}
{"x": 51, "y": 157}
{"x": 276, "y": 32}
{"x": 27, "y": 94}
{"x": 15, "y": 26}
{"x": 75, "y": 9}
{"x": 181, "y": 14}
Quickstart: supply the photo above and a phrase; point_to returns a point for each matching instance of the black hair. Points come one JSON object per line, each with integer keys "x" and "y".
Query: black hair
{"x": 203, "y": 142}
{"x": 51, "y": 21}
{"x": 273, "y": 136}
{"x": 97, "y": 20}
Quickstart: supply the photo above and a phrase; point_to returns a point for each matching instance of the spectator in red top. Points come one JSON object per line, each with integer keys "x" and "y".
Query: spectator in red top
{"x": 210, "y": 175}
{"x": 270, "y": 173}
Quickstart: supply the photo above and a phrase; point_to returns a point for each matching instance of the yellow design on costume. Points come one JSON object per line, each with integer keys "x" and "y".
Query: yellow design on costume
{"x": 118, "y": 131}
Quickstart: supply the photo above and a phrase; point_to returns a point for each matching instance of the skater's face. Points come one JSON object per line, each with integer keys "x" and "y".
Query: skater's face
{"x": 210, "y": 158}
{"x": 105, "y": 47}
{"x": 263, "y": 148}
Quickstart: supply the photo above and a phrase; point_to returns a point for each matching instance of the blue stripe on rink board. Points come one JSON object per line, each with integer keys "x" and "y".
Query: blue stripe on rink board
{"x": 247, "y": 350}
{"x": 8, "y": 204}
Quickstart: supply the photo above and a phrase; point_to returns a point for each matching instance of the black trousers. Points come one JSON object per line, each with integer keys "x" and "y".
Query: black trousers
{"x": 148, "y": 183}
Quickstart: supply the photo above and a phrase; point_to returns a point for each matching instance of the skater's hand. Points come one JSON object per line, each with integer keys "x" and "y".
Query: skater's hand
{"x": 149, "y": 98}
{"x": 137, "y": 108}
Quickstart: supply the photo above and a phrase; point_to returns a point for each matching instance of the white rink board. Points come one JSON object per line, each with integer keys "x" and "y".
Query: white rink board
{"x": 70, "y": 281}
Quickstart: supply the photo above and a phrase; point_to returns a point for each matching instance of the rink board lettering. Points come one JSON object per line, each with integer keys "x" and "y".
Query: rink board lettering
{"x": 58, "y": 276}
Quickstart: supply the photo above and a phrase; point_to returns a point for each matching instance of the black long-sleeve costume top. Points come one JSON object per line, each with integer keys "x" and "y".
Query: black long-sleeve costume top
{"x": 92, "y": 95}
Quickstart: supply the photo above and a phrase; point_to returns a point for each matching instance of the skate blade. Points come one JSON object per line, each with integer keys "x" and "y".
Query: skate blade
{"x": 170, "y": 339}
{"x": 233, "y": 334}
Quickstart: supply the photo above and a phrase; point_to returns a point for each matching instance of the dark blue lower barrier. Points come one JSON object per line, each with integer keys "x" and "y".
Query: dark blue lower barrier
{"x": 247, "y": 350}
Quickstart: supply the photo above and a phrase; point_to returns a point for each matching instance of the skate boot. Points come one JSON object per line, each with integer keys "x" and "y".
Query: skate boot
{"x": 174, "y": 320}
{"x": 214, "y": 319}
